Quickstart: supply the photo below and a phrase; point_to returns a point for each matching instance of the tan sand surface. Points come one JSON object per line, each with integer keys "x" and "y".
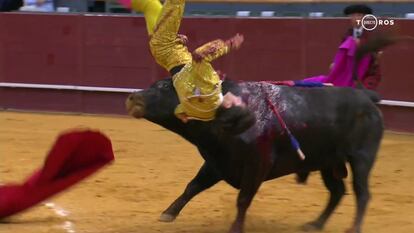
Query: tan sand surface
{"x": 153, "y": 167}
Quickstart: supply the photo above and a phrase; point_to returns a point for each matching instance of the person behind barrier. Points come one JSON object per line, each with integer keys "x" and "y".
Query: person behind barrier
{"x": 39, "y": 5}
{"x": 10, "y": 5}
{"x": 341, "y": 70}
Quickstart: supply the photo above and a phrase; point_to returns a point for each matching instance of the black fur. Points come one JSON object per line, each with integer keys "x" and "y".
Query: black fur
{"x": 333, "y": 125}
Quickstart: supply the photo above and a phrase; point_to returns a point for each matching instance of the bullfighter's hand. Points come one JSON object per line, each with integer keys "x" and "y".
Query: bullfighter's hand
{"x": 183, "y": 117}
{"x": 230, "y": 100}
{"x": 379, "y": 54}
{"x": 236, "y": 41}
{"x": 183, "y": 38}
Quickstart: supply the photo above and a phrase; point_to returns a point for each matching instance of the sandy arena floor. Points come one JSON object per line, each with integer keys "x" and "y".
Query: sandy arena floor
{"x": 152, "y": 168}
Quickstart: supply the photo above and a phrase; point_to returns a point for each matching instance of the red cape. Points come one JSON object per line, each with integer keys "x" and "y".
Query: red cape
{"x": 73, "y": 157}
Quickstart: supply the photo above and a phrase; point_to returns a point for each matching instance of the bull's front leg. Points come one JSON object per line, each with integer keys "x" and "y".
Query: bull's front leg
{"x": 205, "y": 178}
{"x": 243, "y": 202}
{"x": 251, "y": 181}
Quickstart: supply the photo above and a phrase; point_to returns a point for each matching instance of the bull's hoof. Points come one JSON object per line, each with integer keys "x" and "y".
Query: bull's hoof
{"x": 167, "y": 218}
{"x": 236, "y": 228}
{"x": 5, "y": 220}
{"x": 352, "y": 230}
{"x": 312, "y": 226}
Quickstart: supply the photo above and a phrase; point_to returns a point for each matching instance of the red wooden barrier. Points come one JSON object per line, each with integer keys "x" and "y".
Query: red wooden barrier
{"x": 112, "y": 51}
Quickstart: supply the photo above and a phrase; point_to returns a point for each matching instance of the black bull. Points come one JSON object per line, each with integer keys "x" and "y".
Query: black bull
{"x": 333, "y": 125}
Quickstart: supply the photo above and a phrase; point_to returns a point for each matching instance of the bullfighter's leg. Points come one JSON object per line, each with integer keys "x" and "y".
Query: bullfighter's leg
{"x": 168, "y": 49}
{"x": 151, "y": 10}
{"x": 205, "y": 178}
{"x": 336, "y": 188}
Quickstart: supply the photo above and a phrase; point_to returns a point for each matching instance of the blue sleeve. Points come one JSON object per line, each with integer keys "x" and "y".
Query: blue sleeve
{"x": 308, "y": 84}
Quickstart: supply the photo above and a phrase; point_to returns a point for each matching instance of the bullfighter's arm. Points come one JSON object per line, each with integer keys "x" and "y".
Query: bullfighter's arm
{"x": 217, "y": 48}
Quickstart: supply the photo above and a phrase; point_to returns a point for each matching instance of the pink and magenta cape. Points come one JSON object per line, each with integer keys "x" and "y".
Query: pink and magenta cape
{"x": 341, "y": 72}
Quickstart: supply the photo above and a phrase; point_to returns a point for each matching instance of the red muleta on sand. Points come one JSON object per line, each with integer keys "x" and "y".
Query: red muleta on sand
{"x": 74, "y": 156}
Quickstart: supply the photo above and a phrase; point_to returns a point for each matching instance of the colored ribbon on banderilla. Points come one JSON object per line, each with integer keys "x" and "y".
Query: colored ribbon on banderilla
{"x": 294, "y": 142}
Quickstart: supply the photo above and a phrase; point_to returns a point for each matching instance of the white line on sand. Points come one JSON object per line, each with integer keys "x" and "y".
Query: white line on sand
{"x": 68, "y": 226}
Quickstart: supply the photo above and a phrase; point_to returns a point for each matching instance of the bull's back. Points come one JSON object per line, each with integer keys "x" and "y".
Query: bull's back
{"x": 326, "y": 108}
{"x": 325, "y": 121}
{"x": 303, "y": 108}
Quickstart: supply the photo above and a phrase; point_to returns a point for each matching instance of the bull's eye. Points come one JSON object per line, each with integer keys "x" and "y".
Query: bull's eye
{"x": 163, "y": 86}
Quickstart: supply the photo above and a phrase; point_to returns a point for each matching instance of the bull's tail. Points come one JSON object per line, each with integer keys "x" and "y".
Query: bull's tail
{"x": 373, "y": 45}
{"x": 376, "y": 43}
